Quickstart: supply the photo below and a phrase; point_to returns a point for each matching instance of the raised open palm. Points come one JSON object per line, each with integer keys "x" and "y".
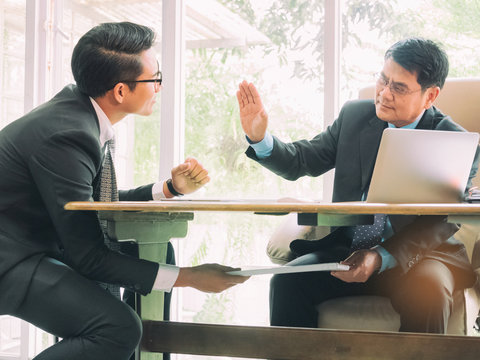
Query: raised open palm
{"x": 253, "y": 116}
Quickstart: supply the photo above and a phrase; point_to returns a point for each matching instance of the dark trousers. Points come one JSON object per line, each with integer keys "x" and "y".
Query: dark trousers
{"x": 93, "y": 323}
{"x": 422, "y": 297}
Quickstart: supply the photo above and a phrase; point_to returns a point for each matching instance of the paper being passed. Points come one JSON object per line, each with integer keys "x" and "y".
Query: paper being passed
{"x": 259, "y": 270}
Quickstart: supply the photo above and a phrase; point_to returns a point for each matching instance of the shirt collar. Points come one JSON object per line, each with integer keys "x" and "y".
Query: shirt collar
{"x": 106, "y": 129}
{"x": 412, "y": 125}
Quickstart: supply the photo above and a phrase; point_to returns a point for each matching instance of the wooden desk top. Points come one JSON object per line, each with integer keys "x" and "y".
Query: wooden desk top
{"x": 273, "y": 206}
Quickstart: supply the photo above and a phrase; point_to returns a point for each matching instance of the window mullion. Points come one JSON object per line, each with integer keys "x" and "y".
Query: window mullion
{"x": 35, "y": 53}
{"x": 173, "y": 93}
{"x": 332, "y": 50}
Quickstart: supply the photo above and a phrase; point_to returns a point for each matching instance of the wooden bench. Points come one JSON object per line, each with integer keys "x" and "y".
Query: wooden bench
{"x": 285, "y": 343}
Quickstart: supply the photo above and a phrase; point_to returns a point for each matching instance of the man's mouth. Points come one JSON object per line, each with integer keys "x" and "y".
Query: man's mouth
{"x": 384, "y": 105}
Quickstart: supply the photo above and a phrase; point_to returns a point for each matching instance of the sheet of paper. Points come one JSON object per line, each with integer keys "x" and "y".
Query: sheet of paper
{"x": 259, "y": 270}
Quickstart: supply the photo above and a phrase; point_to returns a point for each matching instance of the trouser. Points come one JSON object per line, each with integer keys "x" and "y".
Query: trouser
{"x": 93, "y": 323}
{"x": 422, "y": 297}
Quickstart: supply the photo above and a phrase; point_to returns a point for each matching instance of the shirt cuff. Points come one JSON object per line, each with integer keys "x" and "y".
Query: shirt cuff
{"x": 388, "y": 261}
{"x": 264, "y": 148}
{"x": 166, "y": 277}
{"x": 157, "y": 191}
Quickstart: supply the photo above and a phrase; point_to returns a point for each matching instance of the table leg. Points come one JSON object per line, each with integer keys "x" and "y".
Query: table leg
{"x": 152, "y": 233}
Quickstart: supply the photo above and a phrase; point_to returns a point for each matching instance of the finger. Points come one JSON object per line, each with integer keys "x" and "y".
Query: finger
{"x": 241, "y": 103}
{"x": 198, "y": 177}
{"x": 203, "y": 181}
{"x": 244, "y": 92}
{"x": 180, "y": 169}
{"x": 194, "y": 171}
{"x": 254, "y": 95}
{"x": 250, "y": 89}
{"x": 342, "y": 276}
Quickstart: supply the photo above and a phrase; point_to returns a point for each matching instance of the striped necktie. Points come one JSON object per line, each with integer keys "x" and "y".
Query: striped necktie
{"x": 106, "y": 190}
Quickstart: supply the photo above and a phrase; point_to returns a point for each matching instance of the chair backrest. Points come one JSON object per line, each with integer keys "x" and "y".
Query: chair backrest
{"x": 459, "y": 99}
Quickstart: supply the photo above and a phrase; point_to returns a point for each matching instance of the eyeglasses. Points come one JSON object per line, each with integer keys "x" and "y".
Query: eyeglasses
{"x": 156, "y": 82}
{"x": 395, "y": 88}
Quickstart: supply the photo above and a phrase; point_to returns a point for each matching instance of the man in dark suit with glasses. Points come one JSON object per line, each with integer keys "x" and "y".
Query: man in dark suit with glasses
{"x": 52, "y": 259}
{"x": 414, "y": 260}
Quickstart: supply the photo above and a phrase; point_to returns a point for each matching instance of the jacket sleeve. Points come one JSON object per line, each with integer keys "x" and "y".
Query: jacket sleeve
{"x": 304, "y": 157}
{"x": 63, "y": 169}
{"x": 419, "y": 238}
{"x": 142, "y": 193}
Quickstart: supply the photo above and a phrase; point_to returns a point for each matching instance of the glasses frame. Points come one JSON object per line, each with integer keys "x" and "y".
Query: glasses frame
{"x": 380, "y": 81}
{"x": 157, "y": 82}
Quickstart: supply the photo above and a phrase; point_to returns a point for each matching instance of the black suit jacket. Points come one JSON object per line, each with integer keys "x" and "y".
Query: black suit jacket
{"x": 350, "y": 145}
{"x": 48, "y": 157}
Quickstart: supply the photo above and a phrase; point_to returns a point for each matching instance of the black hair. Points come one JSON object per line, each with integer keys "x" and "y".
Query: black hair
{"x": 110, "y": 53}
{"x": 421, "y": 56}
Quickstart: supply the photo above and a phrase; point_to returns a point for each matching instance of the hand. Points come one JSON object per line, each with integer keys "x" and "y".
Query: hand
{"x": 363, "y": 263}
{"x": 252, "y": 114}
{"x": 209, "y": 278}
{"x": 189, "y": 176}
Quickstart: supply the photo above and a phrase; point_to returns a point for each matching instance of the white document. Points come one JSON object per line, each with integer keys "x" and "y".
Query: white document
{"x": 259, "y": 270}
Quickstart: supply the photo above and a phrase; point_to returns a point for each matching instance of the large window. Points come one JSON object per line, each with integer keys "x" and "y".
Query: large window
{"x": 274, "y": 46}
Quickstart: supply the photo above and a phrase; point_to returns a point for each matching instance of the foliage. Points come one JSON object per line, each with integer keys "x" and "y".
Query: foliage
{"x": 461, "y": 16}
{"x": 146, "y": 151}
{"x": 216, "y": 309}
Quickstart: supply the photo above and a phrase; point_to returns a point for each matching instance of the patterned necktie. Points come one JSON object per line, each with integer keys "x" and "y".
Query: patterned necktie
{"x": 106, "y": 190}
{"x": 366, "y": 236}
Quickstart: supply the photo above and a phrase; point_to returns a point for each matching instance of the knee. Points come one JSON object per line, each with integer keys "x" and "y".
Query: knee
{"x": 124, "y": 330}
{"x": 432, "y": 293}
{"x": 282, "y": 283}
{"x": 130, "y": 326}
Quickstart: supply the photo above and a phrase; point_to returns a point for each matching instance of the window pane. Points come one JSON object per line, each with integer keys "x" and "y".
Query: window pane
{"x": 371, "y": 27}
{"x": 12, "y": 60}
{"x": 277, "y": 45}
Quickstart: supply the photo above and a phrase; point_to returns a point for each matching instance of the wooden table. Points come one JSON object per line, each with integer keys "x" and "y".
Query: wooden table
{"x": 152, "y": 224}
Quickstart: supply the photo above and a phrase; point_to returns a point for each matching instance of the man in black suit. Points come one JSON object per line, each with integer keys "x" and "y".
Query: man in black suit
{"x": 416, "y": 261}
{"x": 52, "y": 259}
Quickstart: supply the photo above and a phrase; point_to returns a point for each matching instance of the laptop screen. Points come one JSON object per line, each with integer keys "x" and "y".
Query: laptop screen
{"x": 422, "y": 166}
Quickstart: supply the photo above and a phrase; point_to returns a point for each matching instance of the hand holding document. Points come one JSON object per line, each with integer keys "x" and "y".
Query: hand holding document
{"x": 287, "y": 269}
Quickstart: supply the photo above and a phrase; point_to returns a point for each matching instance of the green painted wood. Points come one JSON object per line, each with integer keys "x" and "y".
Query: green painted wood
{"x": 152, "y": 232}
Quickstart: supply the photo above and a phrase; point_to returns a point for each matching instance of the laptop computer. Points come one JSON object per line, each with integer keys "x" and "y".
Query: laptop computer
{"x": 422, "y": 166}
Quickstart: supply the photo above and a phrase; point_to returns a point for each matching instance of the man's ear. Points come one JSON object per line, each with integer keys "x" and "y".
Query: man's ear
{"x": 119, "y": 92}
{"x": 432, "y": 94}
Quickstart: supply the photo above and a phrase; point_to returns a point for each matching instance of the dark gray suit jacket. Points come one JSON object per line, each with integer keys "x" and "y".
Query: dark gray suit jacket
{"x": 350, "y": 145}
{"x": 48, "y": 157}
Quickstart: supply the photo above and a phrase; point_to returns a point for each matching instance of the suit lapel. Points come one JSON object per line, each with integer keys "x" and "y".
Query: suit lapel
{"x": 426, "y": 122}
{"x": 369, "y": 142}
